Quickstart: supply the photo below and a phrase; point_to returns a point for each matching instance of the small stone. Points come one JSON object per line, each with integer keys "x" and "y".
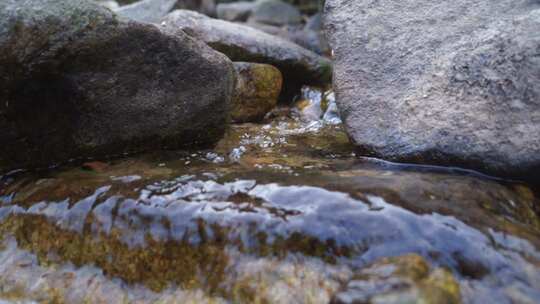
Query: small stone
{"x": 276, "y": 12}
{"x": 257, "y": 90}
{"x": 235, "y": 11}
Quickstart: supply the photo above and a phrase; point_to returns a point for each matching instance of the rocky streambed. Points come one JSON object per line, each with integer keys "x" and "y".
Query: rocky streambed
{"x": 279, "y": 212}
{"x": 174, "y": 157}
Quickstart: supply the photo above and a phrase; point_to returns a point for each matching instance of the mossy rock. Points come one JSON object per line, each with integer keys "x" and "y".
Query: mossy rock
{"x": 257, "y": 91}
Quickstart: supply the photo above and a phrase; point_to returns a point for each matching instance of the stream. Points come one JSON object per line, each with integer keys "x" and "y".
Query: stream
{"x": 279, "y": 212}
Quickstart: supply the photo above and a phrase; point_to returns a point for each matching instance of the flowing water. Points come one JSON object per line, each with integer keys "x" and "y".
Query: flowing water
{"x": 280, "y": 212}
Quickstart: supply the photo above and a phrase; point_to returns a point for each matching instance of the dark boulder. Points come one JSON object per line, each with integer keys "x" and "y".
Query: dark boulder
{"x": 78, "y": 82}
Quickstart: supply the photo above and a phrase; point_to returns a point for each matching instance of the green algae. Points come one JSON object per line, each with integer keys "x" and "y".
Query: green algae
{"x": 157, "y": 265}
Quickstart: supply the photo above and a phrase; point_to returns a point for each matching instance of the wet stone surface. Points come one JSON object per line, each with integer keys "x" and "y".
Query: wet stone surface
{"x": 280, "y": 212}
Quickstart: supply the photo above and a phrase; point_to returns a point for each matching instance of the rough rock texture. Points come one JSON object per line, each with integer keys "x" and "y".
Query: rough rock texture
{"x": 147, "y": 10}
{"x": 76, "y": 81}
{"x": 298, "y": 66}
{"x": 235, "y": 11}
{"x": 275, "y": 12}
{"x": 441, "y": 82}
{"x": 256, "y": 92}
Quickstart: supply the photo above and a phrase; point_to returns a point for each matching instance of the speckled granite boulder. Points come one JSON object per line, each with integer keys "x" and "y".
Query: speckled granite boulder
{"x": 441, "y": 82}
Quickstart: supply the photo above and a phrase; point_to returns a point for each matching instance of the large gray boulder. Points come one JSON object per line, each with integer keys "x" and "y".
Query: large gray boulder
{"x": 239, "y": 42}
{"x": 76, "y": 81}
{"x": 441, "y": 82}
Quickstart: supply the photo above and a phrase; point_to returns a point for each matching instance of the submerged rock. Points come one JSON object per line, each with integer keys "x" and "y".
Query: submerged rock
{"x": 275, "y": 12}
{"x": 252, "y": 280}
{"x": 78, "y": 82}
{"x": 209, "y": 235}
{"x": 276, "y": 213}
{"x": 298, "y": 66}
{"x": 404, "y": 279}
{"x": 449, "y": 83}
{"x": 256, "y": 92}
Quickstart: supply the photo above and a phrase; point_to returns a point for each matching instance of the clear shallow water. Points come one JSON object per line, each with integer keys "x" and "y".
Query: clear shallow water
{"x": 282, "y": 212}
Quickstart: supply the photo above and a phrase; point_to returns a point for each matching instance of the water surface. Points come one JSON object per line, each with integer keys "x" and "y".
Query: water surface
{"x": 280, "y": 212}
